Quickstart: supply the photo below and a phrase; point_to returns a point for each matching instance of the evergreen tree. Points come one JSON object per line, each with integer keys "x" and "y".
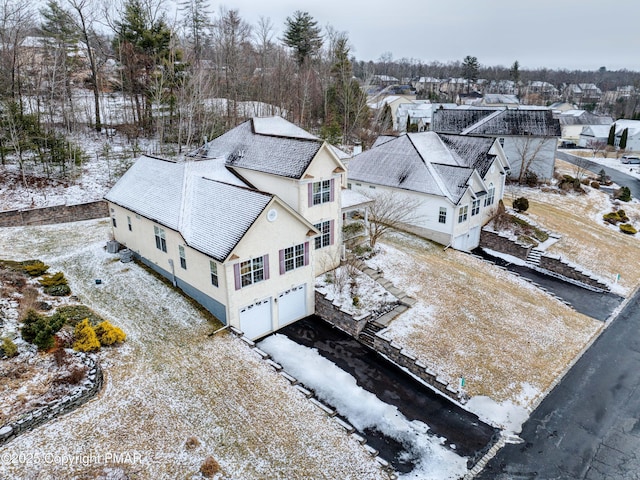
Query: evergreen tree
{"x": 514, "y": 72}
{"x": 623, "y": 138}
{"x": 143, "y": 46}
{"x": 302, "y": 34}
{"x": 470, "y": 70}
{"x": 612, "y": 135}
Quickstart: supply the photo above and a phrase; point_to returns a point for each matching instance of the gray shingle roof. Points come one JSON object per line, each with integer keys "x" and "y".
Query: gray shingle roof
{"x": 497, "y": 122}
{"x": 425, "y": 162}
{"x": 211, "y": 216}
{"x": 270, "y": 145}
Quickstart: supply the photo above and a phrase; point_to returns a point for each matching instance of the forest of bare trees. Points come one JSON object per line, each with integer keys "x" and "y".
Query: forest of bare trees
{"x": 71, "y": 66}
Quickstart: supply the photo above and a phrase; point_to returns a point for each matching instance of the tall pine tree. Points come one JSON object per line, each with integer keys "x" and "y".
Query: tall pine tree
{"x": 302, "y": 34}
{"x": 612, "y": 135}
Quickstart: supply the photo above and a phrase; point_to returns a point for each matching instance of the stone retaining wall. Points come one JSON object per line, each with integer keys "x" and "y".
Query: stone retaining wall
{"x": 557, "y": 265}
{"x": 333, "y": 314}
{"x": 79, "y": 396}
{"x": 406, "y": 360}
{"x": 503, "y": 243}
{"x": 55, "y": 214}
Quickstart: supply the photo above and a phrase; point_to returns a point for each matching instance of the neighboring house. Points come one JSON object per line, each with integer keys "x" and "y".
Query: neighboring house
{"x": 572, "y": 123}
{"x": 582, "y": 94}
{"x": 528, "y": 136}
{"x": 427, "y": 86}
{"x": 504, "y": 87}
{"x": 633, "y": 134}
{"x": 497, "y": 100}
{"x": 456, "y": 180}
{"x": 539, "y": 92}
{"x": 561, "y": 107}
{"x": 379, "y": 103}
{"x": 593, "y": 135}
{"x": 419, "y": 113}
{"x": 243, "y": 225}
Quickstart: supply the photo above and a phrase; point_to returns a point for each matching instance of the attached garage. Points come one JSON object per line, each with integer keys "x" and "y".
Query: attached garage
{"x": 467, "y": 241}
{"x": 255, "y": 319}
{"x": 292, "y": 305}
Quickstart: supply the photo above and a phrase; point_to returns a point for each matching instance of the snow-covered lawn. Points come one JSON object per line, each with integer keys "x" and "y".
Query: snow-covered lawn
{"x": 587, "y": 240}
{"x": 170, "y": 381}
{"x": 507, "y": 338}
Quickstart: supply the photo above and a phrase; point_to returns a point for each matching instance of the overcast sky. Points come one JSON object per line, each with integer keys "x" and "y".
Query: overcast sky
{"x": 571, "y": 34}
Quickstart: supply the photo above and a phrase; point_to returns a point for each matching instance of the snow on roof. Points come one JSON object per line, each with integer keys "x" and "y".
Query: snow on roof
{"x": 279, "y": 127}
{"x": 425, "y": 162}
{"x": 351, "y": 198}
{"x": 597, "y": 131}
{"x": 152, "y": 188}
{"x": 271, "y": 145}
{"x": 582, "y": 117}
{"x": 211, "y": 216}
{"x": 521, "y": 121}
{"x": 341, "y": 154}
{"x": 632, "y": 125}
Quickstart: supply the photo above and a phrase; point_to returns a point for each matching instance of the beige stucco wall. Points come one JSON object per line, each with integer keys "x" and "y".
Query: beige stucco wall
{"x": 263, "y": 237}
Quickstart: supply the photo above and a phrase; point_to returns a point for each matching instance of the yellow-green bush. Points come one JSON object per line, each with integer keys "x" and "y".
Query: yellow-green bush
{"x": 9, "y": 348}
{"x": 55, "y": 284}
{"x": 35, "y": 268}
{"x": 109, "y": 334}
{"x": 85, "y": 336}
{"x": 628, "y": 229}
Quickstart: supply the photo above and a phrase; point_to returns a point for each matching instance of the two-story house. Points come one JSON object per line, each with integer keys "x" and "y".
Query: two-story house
{"x": 243, "y": 224}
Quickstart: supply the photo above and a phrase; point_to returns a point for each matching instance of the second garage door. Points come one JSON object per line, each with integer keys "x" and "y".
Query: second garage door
{"x": 292, "y": 305}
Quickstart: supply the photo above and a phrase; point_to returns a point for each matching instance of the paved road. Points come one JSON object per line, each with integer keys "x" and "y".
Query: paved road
{"x": 594, "y": 304}
{"x": 588, "y": 427}
{"x": 617, "y": 176}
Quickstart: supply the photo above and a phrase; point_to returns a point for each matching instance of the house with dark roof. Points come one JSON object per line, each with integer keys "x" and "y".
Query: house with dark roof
{"x": 528, "y": 136}
{"x": 243, "y": 224}
{"x": 572, "y": 123}
{"x": 456, "y": 182}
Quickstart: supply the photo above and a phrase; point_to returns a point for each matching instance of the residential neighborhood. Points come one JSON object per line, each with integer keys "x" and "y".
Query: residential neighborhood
{"x": 243, "y": 246}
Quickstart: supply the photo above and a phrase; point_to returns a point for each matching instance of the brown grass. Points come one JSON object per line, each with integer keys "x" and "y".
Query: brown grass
{"x": 477, "y": 321}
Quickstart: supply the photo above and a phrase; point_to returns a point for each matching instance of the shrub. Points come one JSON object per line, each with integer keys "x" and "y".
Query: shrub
{"x": 55, "y": 284}
{"x": 35, "y": 268}
{"x": 53, "y": 280}
{"x": 351, "y": 229}
{"x": 595, "y": 185}
{"x": 530, "y": 178}
{"x": 192, "y": 443}
{"x": 611, "y": 217}
{"x": 624, "y": 194}
{"x": 521, "y": 204}
{"x": 86, "y": 338}
{"x": 356, "y": 301}
{"x": 108, "y": 334}
{"x": 58, "y": 290}
{"x": 74, "y": 314}
{"x": 40, "y": 329}
{"x": 9, "y": 347}
{"x": 209, "y": 467}
{"x": 628, "y": 229}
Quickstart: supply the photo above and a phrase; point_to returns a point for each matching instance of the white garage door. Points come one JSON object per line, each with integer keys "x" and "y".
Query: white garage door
{"x": 467, "y": 241}
{"x": 255, "y": 320}
{"x": 292, "y": 305}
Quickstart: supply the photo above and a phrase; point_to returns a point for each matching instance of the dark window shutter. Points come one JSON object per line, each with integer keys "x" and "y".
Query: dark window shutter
{"x": 265, "y": 259}
{"x": 281, "y": 254}
{"x": 236, "y": 274}
{"x": 306, "y": 253}
{"x": 331, "y": 228}
{"x": 331, "y": 190}
{"x": 310, "y": 193}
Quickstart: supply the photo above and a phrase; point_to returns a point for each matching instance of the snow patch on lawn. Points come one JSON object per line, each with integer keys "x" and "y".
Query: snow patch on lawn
{"x": 363, "y": 409}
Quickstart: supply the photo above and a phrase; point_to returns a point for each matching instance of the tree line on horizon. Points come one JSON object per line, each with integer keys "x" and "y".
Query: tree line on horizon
{"x": 195, "y": 77}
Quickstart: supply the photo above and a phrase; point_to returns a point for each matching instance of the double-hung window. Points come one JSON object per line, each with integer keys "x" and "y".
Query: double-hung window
{"x": 442, "y": 216}
{"x": 475, "y": 207}
{"x": 183, "y": 258}
{"x": 161, "y": 241}
{"x": 213, "y": 268}
{"x": 491, "y": 193}
{"x": 252, "y": 271}
{"x": 462, "y": 213}
{"x": 294, "y": 257}
{"x": 326, "y": 234}
{"x": 129, "y": 223}
{"x": 321, "y": 192}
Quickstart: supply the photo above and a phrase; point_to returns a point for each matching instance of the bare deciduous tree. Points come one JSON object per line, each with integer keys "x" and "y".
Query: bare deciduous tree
{"x": 528, "y": 150}
{"x": 390, "y": 211}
